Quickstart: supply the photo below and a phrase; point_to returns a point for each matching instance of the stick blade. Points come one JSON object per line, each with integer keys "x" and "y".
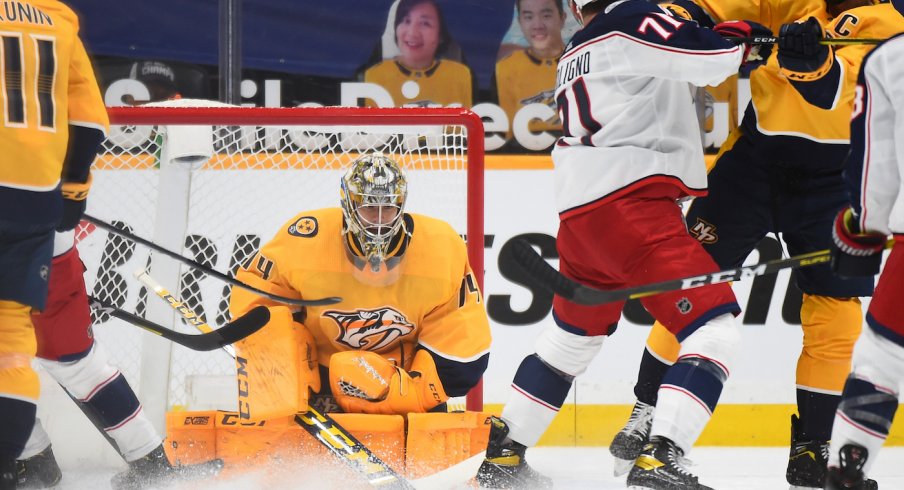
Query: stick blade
{"x": 243, "y": 326}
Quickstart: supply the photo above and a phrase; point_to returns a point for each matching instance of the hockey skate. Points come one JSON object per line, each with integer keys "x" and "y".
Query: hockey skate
{"x": 660, "y": 467}
{"x": 39, "y": 471}
{"x": 154, "y": 469}
{"x": 807, "y": 460}
{"x": 504, "y": 465}
{"x": 628, "y": 443}
{"x": 849, "y": 474}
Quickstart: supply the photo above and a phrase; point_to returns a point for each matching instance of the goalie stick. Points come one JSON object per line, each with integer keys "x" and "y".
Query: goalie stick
{"x": 551, "y": 279}
{"x": 207, "y": 270}
{"x": 331, "y": 435}
{"x": 232, "y": 332}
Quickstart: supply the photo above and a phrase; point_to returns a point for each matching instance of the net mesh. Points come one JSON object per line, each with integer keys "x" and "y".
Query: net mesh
{"x": 215, "y": 194}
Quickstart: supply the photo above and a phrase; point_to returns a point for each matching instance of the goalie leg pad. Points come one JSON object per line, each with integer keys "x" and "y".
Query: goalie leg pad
{"x": 267, "y": 369}
{"x": 63, "y": 329}
{"x": 366, "y": 382}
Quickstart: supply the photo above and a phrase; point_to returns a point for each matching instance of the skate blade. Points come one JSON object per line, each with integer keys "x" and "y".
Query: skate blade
{"x": 799, "y": 487}
{"x": 621, "y": 467}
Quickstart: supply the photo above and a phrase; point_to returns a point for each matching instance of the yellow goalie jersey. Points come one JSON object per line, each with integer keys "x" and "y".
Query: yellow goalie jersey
{"x": 433, "y": 304}
{"x": 48, "y": 84}
{"x": 444, "y": 83}
{"x": 522, "y": 79}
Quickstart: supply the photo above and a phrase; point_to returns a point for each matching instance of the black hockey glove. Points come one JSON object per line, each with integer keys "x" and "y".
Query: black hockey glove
{"x": 756, "y": 54}
{"x": 799, "y": 48}
{"x": 75, "y": 198}
{"x": 854, "y": 253}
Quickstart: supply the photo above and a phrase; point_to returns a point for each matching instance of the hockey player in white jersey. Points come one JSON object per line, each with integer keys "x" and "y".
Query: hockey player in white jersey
{"x": 875, "y": 176}
{"x": 631, "y": 148}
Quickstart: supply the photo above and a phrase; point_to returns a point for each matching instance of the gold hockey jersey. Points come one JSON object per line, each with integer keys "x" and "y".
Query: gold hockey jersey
{"x": 49, "y": 84}
{"x": 445, "y": 83}
{"x": 777, "y": 108}
{"x": 434, "y": 303}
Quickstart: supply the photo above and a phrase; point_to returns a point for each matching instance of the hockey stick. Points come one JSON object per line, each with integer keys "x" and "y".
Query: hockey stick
{"x": 331, "y": 435}
{"x": 207, "y": 270}
{"x": 825, "y": 41}
{"x": 230, "y": 333}
{"x": 551, "y": 279}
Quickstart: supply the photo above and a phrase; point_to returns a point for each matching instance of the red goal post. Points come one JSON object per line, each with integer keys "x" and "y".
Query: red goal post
{"x": 213, "y": 183}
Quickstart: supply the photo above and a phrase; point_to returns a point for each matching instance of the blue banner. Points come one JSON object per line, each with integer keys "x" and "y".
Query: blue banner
{"x": 333, "y": 38}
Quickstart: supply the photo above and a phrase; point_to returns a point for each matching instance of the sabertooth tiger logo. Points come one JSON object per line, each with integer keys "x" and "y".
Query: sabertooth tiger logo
{"x": 370, "y": 329}
{"x": 704, "y": 232}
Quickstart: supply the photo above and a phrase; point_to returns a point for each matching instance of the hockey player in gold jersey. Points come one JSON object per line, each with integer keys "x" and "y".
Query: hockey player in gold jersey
{"x": 421, "y": 76}
{"x": 53, "y": 119}
{"x": 780, "y": 172}
{"x": 411, "y": 330}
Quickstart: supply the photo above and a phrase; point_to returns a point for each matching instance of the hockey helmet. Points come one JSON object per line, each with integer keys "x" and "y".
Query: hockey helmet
{"x": 373, "y": 193}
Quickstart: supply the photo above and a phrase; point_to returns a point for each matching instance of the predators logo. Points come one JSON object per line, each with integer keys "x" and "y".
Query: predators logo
{"x": 370, "y": 329}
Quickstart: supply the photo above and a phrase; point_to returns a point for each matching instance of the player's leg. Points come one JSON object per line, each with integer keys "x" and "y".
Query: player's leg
{"x": 24, "y": 265}
{"x": 872, "y": 391}
{"x": 563, "y": 350}
{"x": 728, "y": 222}
{"x": 831, "y": 319}
{"x": 703, "y": 320}
{"x": 660, "y": 353}
{"x": 67, "y": 351}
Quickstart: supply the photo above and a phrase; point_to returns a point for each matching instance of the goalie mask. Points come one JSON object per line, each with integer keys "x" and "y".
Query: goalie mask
{"x": 373, "y": 193}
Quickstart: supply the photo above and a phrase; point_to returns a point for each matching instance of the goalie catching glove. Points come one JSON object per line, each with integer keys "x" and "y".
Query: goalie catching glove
{"x": 855, "y": 253}
{"x": 366, "y": 382}
{"x": 753, "y": 53}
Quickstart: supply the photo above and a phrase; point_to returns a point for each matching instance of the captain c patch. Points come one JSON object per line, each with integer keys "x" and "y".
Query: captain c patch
{"x": 306, "y": 227}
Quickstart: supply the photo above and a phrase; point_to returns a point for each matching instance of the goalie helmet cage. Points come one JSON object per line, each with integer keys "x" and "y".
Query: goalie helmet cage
{"x": 215, "y": 183}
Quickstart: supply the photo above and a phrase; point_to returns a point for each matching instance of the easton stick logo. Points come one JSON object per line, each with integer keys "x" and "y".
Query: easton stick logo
{"x": 370, "y": 329}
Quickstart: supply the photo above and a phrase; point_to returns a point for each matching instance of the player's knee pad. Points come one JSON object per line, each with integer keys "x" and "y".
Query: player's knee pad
{"x": 831, "y": 326}
{"x": 84, "y": 376}
{"x": 878, "y": 360}
{"x": 663, "y": 344}
{"x": 63, "y": 329}
{"x": 17, "y": 349}
{"x": 567, "y": 352}
{"x": 716, "y": 342}
{"x": 63, "y": 241}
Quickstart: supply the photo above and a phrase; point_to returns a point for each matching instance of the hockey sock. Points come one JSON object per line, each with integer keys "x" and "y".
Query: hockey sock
{"x": 538, "y": 392}
{"x": 18, "y": 418}
{"x": 816, "y": 411}
{"x": 864, "y": 418}
{"x": 649, "y": 377}
{"x": 119, "y": 412}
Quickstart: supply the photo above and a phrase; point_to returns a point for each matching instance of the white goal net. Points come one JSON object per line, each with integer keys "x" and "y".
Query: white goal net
{"x": 215, "y": 183}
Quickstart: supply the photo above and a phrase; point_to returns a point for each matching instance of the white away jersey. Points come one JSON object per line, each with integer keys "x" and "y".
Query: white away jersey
{"x": 876, "y": 164}
{"x": 624, "y": 92}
